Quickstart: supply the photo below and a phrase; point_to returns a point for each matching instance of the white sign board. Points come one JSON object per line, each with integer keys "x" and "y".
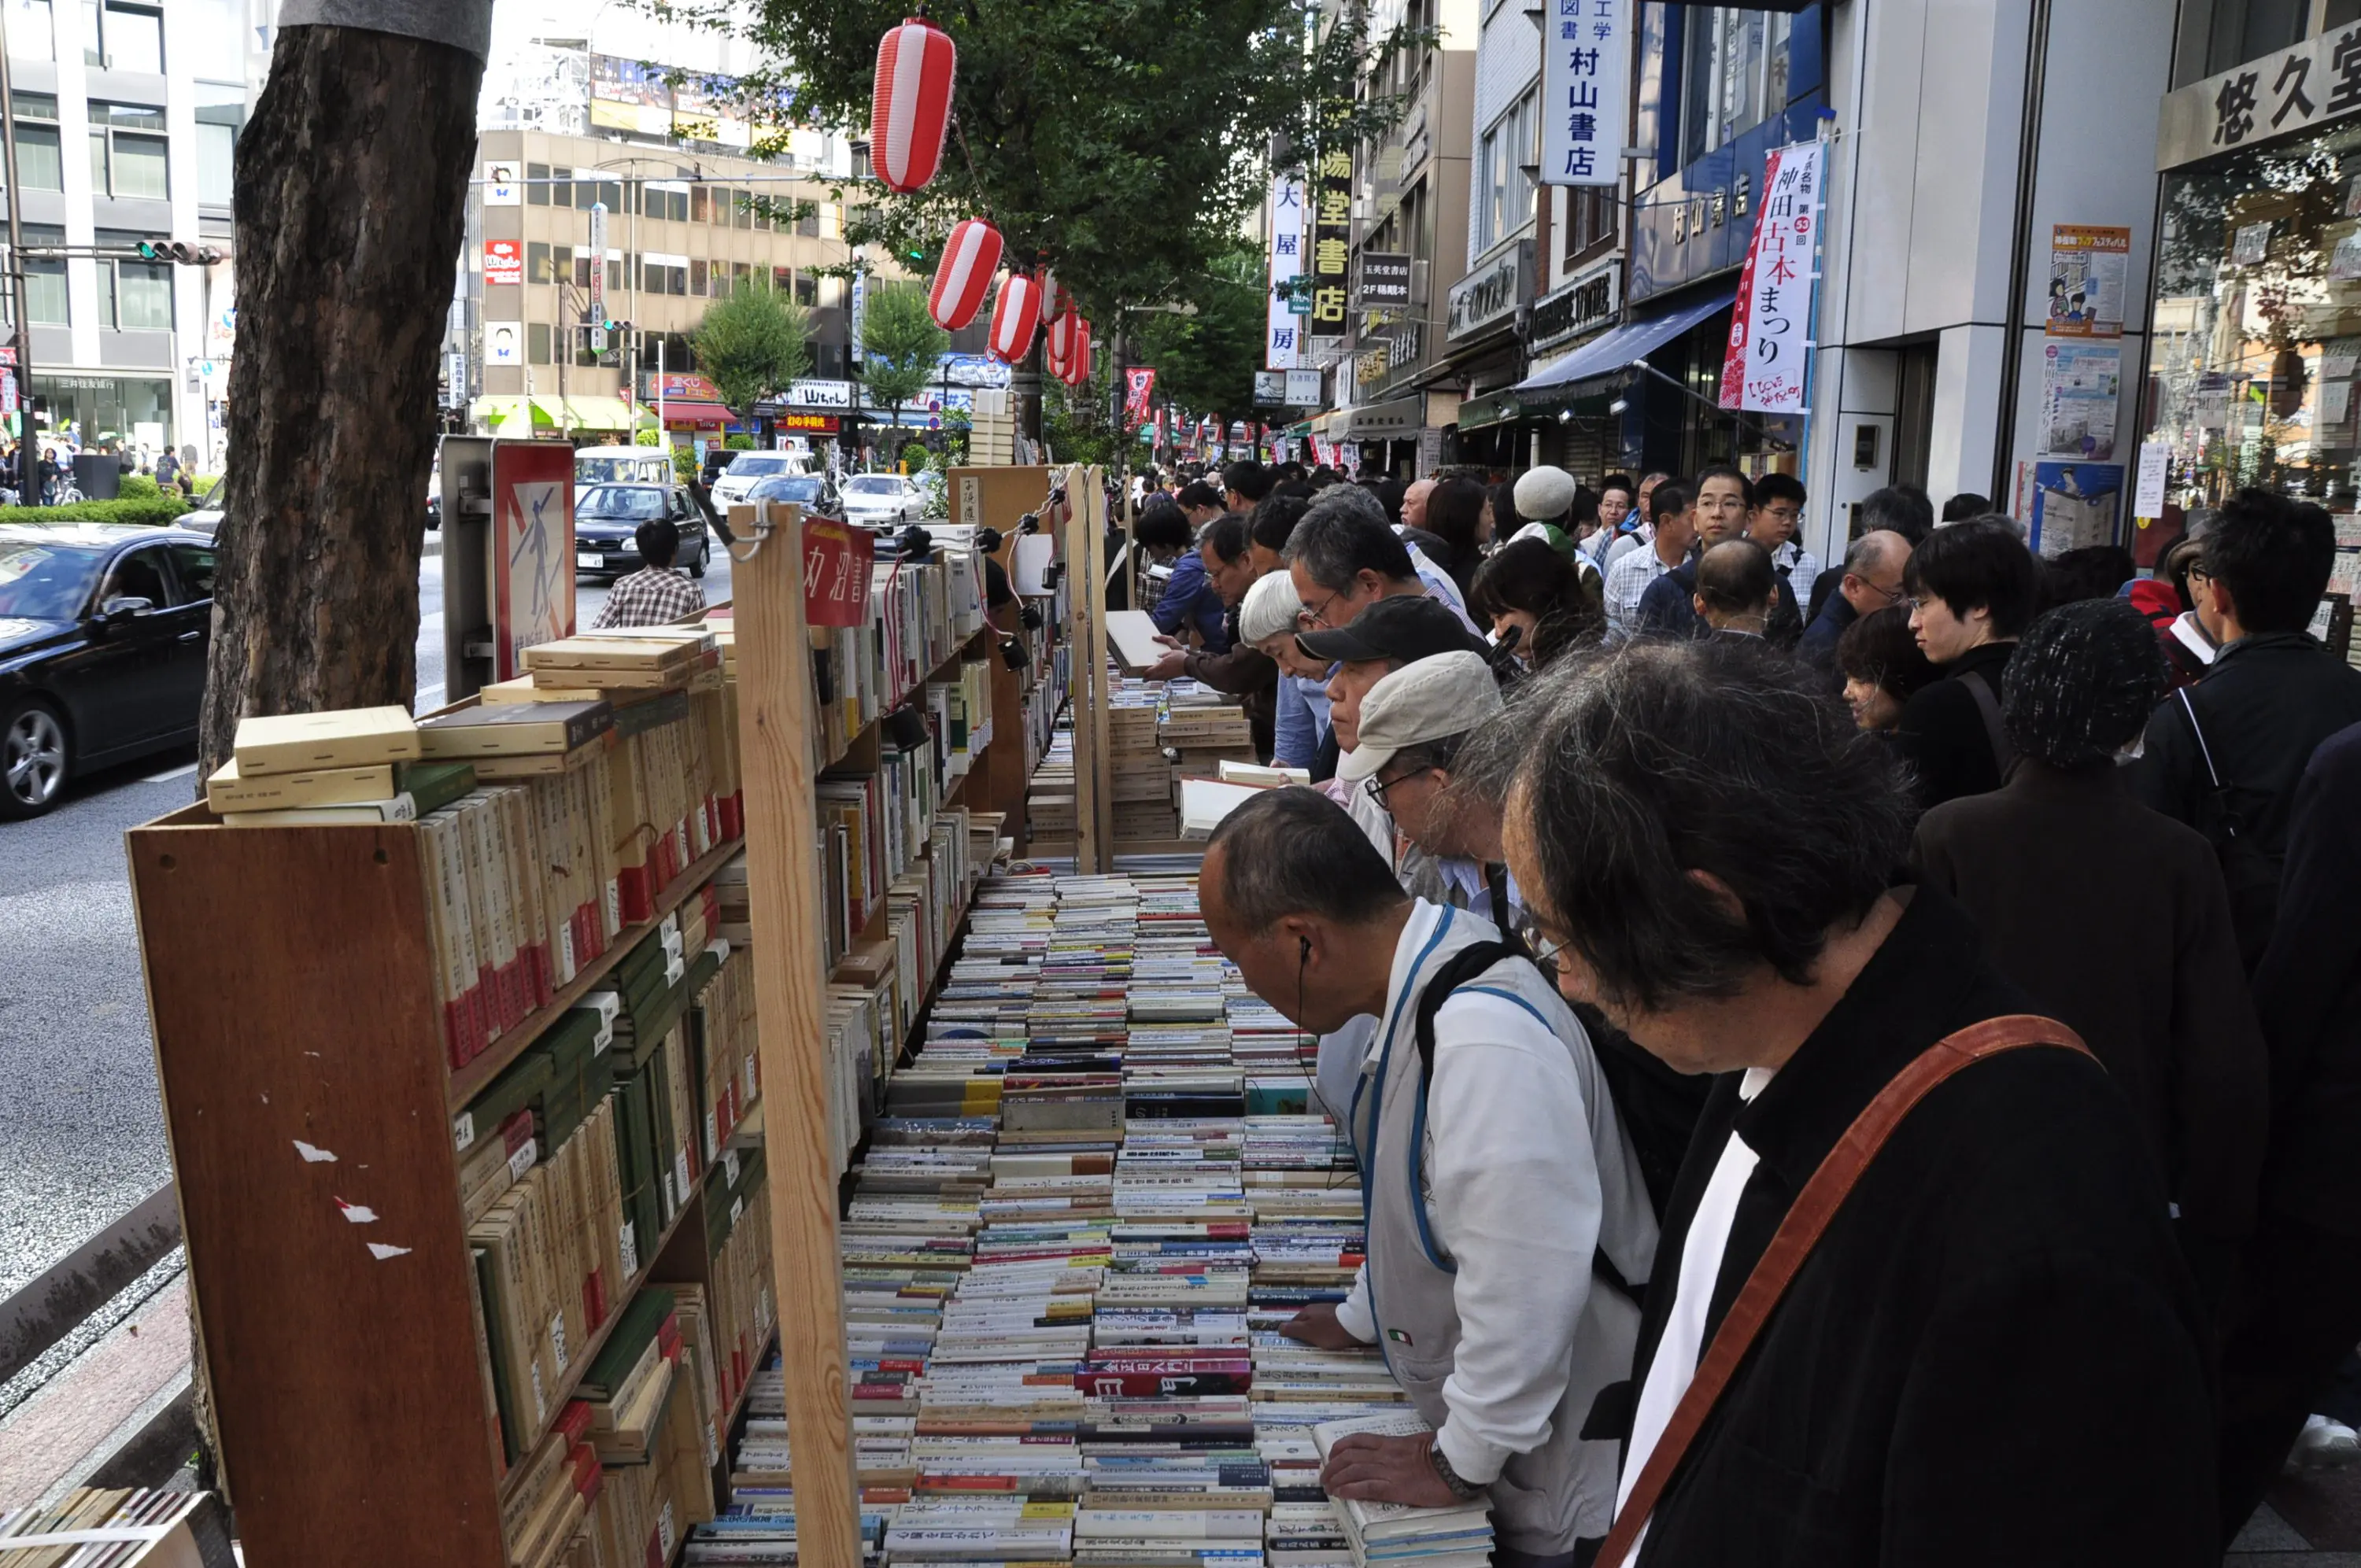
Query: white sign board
{"x": 1586, "y": 90}
{"x": 2147, "y": 500}
{"x": 1302, "y": 389}
{"x": 1283, "y": 333}
{"x": 819, "y": 394}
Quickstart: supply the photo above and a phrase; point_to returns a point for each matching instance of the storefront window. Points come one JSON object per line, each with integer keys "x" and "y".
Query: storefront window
{"x": 2256, "y": 325}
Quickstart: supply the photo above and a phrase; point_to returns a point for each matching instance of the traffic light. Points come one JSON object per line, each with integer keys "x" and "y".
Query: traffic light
{"x": 177, "y": 251}
{"x": 614, "y": 326}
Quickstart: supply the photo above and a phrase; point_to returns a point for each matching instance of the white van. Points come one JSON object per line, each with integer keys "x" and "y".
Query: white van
{"x": 622, "y": 466}
{"x": 748, "y": 469}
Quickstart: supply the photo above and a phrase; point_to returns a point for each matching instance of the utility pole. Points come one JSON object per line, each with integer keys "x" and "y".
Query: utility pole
{"x": 28, "y": 463}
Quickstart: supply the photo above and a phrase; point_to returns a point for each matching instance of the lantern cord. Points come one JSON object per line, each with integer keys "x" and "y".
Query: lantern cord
{"x": 959, "y": 128}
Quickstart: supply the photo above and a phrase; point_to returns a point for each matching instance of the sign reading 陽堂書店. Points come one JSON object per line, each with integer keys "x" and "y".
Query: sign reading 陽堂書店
{"x": 1771, "y": 325}
{"x": 1585, "y": 99}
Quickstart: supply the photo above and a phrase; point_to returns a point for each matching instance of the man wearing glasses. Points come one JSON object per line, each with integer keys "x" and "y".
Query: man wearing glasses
{"x": 1344, "y": 557}
{"x": 1873, "y": 565}
{"x": 1413, "y": 724}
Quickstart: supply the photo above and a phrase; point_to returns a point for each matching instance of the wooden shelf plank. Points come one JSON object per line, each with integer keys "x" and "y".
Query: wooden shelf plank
{"x": 469, "y": 1080}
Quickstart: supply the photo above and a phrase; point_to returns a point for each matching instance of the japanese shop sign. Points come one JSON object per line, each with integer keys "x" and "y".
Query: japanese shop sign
{"x": 1770, "y": 329}
{"x": 1282, "y": 348}
{"x": 1138, "y": 387}
{"x": 837, "y": 560}
{"x": 2296, "y": 89}
{"x": 503, "y": 261}
{"x": 1331, "y": 244}
{"x": 1586, "y": 90}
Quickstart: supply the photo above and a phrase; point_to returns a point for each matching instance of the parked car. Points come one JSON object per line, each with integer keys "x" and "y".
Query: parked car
{"x": 883, "y": 500}
{"x": 607, "y": 517}
{"x": 813, "y": 492}
{"x": 622, "y": 466}
{"x": 205, "y": 516}
{"x": 103, "y": 632}
{"x": 749, "y": 468}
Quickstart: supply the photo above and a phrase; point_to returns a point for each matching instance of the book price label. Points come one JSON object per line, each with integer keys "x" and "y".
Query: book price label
{"x": 540, "y": 1400}
{"x": 673, "y": 969}
{"x": 631, "y": 1250}
{"x": 523, "y": 1159}
{"x": 664, "y": 1529}
{"x": 730, "y": 1164}
{"x": 558, "y": 1338}
{"x": 712, "y": 1139}
{"x": 567, "y": 968}
{"x": 737, "y": 1207}
{"x": 463, "y": 1131}
{"x": 614, "y": 904}
{"x": 680, "y": 1171}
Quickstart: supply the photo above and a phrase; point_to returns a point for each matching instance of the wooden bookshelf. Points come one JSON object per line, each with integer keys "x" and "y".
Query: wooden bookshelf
{"x": 292, "y": 979}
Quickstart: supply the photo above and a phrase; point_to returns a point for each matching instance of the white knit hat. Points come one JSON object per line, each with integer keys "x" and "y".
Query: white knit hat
{"x": 1270, "y": 607}
{"x": 1544, "y": 494}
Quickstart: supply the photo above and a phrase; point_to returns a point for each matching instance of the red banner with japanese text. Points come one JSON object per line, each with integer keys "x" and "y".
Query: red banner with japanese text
{"x": 837, "y": 559}
{"x": 1771, "y": 323}
{"x": 1138, "y": 387}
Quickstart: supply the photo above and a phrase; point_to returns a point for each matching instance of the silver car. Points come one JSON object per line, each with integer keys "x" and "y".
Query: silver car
{"x": 883, "y": 500}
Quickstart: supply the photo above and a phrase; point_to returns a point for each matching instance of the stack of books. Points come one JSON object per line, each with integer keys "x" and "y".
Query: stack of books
{"x": 1457, "y": 1537}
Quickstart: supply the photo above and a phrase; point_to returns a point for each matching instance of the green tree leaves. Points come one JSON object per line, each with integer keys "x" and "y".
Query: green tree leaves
{"x": 752, "y": 343}
{"x": 899, "y": 344}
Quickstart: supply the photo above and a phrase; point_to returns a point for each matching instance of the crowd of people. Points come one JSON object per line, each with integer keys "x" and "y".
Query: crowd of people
{"x": 54, "y": 468}
{"x": 1849, "y": 1065}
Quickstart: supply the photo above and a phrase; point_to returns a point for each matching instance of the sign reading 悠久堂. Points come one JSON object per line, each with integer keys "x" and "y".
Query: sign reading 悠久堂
{"x": 1771, "y": 325}
{"x": 2295, "y": 89}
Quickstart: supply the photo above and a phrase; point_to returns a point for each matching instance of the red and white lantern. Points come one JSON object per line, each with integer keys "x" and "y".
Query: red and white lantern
{"x": 1064, "y": 333}
{"x": 971, "y": 257}
{"x": 1015, "y": 317}
{"x": 1077, "y": 368}
{"x": 911, "y": 108}
{"x": 1055, "y": 300}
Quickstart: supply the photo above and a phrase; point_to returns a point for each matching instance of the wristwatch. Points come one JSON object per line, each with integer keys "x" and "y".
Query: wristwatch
{"x": 1464, "y": 1491}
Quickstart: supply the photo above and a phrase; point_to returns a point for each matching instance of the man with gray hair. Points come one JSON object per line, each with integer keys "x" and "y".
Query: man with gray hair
{"x": 1343, "y": 556}
{"x": 1974, "y": 1340}
{"x": 1873, "y": 568}
{"x": 1503, "y": 1206}
{"x": 1410, "y": 726}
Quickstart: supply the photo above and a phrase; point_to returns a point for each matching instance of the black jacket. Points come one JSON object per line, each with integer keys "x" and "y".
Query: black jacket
{"x": 2266, "y": 705}
{"x": 1943, "y": 735}
{"x": 2113, "y": 919}
{"x": 2307, "y": 990}
{"x": 1993, "y": 1356}
{"x": 1818, "y": 648}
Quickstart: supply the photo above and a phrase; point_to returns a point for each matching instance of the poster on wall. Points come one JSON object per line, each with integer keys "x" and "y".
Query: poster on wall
{"x": 2080, "y": 386}
{"x": 2087, "y": 263}
{"x": 2073, "y": 505}
{"x": 501, "y": 188}
{"x": 503, "y": 261}
{"x": 503, "y": 343}
{"x": 1771, "y": 325}
{"x": 533, "y": 549}
{"x": 1586, "y": 90}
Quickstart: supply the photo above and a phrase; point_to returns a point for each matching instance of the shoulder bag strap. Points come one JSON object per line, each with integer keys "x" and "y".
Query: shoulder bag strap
{"x": 1799, "y": 1232}
{"x": 2189, "y": 709}
{"x": 1987, "y": 704}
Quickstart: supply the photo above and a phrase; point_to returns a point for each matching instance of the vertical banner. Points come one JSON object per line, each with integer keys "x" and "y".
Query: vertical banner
{"x": 1771, "y": 326}
{"x": 1586, "y": 90}
{"x": 1332, "y": 244}
{"x": 1138, "y": 387}
{"x": 598, "y": 304}
{"x": 533, "y": 549}
{"x": 1282, "y": 348}
{"x": 837, "y": 562}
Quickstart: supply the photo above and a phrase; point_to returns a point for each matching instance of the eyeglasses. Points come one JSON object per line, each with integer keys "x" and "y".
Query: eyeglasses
{"x": 1319, "y": 618}
{"x": 1544, "y": 952}
{"x": 1891, "y": 595}
{"x": 1376, "y": 792}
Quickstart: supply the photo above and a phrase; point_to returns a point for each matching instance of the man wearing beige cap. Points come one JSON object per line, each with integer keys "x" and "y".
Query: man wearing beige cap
{"x": 1412, "y": 723}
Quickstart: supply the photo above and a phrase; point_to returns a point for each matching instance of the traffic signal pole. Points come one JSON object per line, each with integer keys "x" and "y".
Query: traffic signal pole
{"x": 29, "y": 467}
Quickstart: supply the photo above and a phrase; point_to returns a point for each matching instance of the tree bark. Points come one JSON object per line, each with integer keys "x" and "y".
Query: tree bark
{"x": 351, "y": 189}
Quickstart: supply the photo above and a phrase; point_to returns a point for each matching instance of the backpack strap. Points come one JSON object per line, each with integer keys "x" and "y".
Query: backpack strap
{"x": 1463, "y": 967}
{"x": 1822, "y": 1196}
{"x": 2004, "y": 751}
{"x": 2189, "y": 709}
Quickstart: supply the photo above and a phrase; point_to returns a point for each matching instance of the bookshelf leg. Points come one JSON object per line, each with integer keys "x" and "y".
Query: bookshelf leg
{"x": 782, "y": 873}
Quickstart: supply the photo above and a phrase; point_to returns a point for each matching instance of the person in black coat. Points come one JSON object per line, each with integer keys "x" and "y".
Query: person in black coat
{"x": 1971, "y": 588}
{"x": 1994, "y": 1354}
{"x": 2299, "y": 1288}
{"x": 2271, "y": 696}
{"x": 2114, "y": 918}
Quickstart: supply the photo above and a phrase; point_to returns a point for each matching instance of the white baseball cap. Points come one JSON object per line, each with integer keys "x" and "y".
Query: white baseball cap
{"x": 1432, "y": 699}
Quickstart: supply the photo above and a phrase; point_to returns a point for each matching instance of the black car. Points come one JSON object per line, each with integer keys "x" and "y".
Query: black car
{"x": 607, "y": 517}
{"x": 103, "y": 631}
{"x": 813, "y": 492}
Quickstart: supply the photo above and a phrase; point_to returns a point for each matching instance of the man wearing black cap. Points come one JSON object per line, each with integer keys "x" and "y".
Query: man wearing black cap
{"x": 1386, "y": 635}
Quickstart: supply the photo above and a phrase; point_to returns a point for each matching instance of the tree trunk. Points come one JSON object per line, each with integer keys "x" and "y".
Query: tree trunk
{"x": 351, "y": 190}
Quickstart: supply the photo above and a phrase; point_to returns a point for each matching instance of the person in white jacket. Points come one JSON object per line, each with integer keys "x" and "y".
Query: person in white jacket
{"x": 1508, "y": 1227}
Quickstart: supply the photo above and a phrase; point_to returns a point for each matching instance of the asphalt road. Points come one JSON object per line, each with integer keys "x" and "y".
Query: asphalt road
{"x": 81, "y": 1135}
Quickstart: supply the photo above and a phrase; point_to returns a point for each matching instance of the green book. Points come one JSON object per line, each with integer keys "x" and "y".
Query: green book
{"x": 434, "y": 786}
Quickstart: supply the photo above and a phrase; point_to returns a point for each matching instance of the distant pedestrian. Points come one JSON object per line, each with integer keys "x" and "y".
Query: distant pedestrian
{"x": 655, "y": 594}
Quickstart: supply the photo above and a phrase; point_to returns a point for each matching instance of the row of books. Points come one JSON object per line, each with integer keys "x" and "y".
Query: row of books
{"x": 920, "y": 614}
{"x": 1098, "y": 1189}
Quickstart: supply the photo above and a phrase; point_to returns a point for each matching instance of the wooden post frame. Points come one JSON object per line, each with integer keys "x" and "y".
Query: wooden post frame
{"x": 1086, "y": 692}
{"x": 775, "y": 738}
{"x": 1093, "y": 589}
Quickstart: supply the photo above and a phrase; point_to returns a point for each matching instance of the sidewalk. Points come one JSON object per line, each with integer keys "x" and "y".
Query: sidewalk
{"x": 59, "y": 1437}
{"x": 2312, "y": 1520}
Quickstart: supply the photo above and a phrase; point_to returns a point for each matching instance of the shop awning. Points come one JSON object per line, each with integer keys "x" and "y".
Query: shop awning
{"x": 510, "y": 415}
{"x": 694, "y": 414}
{"x": 1491, "y": 409}
{"x": 1611, "y": 351}
{"x": 596, "y": 413}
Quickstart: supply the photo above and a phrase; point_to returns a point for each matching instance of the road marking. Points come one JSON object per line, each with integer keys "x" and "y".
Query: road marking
{"x": 166, "y": 778}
